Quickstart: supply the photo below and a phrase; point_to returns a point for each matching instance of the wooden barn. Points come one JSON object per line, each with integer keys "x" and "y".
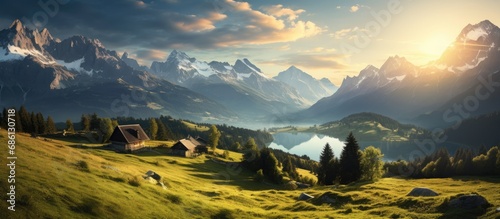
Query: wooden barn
{"x": 128, "y": 138}
{"x": 190, "y": 147}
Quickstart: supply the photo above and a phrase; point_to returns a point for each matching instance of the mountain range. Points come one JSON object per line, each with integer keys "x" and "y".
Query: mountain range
{"x": 460, "y": 84}
{"x": 242, "y": 87}
{"x": 66, "y": 78}
{"x": 78, "y": 75}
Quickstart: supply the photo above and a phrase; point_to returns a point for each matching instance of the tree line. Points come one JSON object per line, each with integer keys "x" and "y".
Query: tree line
{"x": 441, "y": 164}
{"x": 33, "y": 123}
{"x": 167, "y": 128}
{"x": 161, "y": 128}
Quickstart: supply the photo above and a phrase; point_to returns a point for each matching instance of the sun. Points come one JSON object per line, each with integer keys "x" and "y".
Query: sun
{"x": 435, "y": 45}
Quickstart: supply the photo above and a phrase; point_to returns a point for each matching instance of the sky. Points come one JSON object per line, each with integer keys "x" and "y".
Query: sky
{"x": 329, "y": 38}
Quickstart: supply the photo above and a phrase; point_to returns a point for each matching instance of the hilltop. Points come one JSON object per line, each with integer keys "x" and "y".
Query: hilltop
{"x": 366, "y": 126}
{"x": 75, "y": 179}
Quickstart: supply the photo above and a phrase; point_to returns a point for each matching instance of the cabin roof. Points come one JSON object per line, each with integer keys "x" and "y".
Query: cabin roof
{"x": 132, "y": 133}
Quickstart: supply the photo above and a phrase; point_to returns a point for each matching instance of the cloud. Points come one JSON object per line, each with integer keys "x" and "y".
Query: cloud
{"x": 280, "y": 11}
{"x": 348, "y": 33}
{"x": 167, "y": 24}
{"x": 151, "y": 54}
{"x": 317, "y": 58}
{"x": 356, "y": 7}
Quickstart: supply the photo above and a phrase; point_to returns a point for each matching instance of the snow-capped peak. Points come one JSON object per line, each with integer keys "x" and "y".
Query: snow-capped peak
{"x": 177, "y": 55}
{"x": 245, "y": 68}
{"x": 397, "y": 67}
{"x": 477, "y": 32}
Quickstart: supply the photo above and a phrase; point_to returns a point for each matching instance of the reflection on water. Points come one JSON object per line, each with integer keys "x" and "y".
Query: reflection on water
{"x": 309, "y": 144}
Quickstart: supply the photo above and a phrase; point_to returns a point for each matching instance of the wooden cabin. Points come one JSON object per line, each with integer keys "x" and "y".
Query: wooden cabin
{"x": 190, "y": 147}
{"x": 128, "y": 138}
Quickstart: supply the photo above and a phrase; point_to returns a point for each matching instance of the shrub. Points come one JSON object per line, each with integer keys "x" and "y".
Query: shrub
{"x": 117, "y": 179}
{"x": 174, "y": 198}
{"x": 307, "y": 180}
{"x": 24, "y": 200}
{"x": 223, "y": 214}
{"x": 83, "y": 165}
{"x": 134, "y": 181}
{"x": 88, "y": 206}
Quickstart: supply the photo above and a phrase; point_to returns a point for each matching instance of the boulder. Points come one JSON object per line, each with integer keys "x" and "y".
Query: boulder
{"x": 469, "y": 202}
{"x": 302, "y": 185}
{"x": 304, "y": 196}
{"x": 333, "y": 198}
{"x": 418, "y": 191}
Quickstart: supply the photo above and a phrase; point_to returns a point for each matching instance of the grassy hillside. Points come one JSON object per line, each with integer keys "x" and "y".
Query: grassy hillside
{"x": 369, "y": 127}
{"x": 52, "y": 181}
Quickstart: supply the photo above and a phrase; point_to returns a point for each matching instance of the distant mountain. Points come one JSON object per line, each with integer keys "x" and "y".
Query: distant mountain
{"x": 241, "y": 87}
{"x": 133, "y": 63}
{"x": 79, "y": 75}
{"x": 404, "y": 91}
{"x": 307, "y": 86}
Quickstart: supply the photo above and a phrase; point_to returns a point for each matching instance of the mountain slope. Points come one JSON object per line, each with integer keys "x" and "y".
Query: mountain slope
{"x": 241, "y": 87}
{"x": 79, "y": 75}
{"x": 404, "y": 91}
{"x": 477, "y": 131}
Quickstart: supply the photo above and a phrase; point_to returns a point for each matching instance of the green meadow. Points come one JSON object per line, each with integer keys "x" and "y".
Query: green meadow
{"x": 71, "y": 178}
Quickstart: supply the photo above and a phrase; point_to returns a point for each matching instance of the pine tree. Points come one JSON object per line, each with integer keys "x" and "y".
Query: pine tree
{"x": 51, "y": 126}
{"x": 69, "y": 126}
{"x": 25, "y": 120}
{"x": 162, "y": 131}
{"x": 325, "y": 168}
{"x": 85, "y": 123}
{"x": 251, "y": 145}
{"x": 269, "y": 165}
{"x": 251, "y": 155}
{"x": 153, "y": 128}
{"x": 34, "y": 124}
{"x": 19, "y": 126}
{"x": 350, "y": 161}
{"x": 289, "y": 168}
{"x": 439, "y": 166}
{"x": 40, "y": 121}
{"x": 213, "y": 138}
{"x": 4, "y": 118}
